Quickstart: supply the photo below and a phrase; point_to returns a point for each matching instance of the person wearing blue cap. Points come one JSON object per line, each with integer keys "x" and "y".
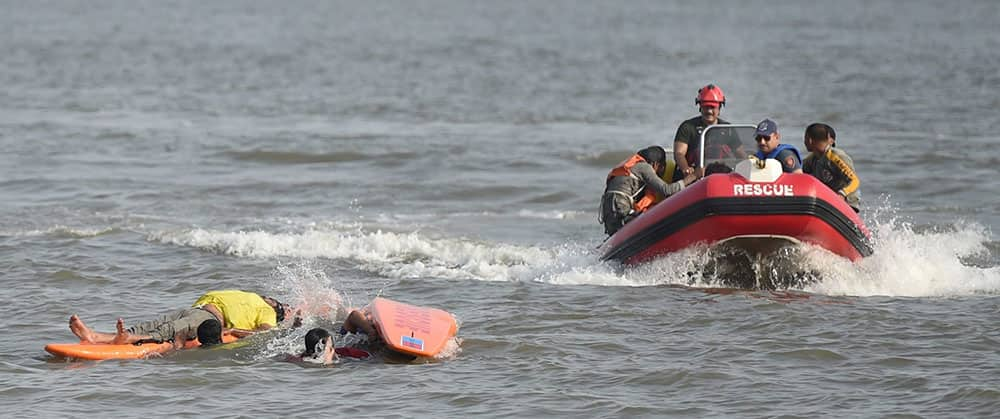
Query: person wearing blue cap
{"x": 769, "y": 146}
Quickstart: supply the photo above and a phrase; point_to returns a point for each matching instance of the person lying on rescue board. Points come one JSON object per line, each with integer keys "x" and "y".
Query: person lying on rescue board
{"x": 831, "y": 165}
{"x": 633, "y": 186}
{"x": 241, "y": 313}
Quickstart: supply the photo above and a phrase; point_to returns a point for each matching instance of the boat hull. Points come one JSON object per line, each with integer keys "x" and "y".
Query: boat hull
{"x": 758, "y": 216}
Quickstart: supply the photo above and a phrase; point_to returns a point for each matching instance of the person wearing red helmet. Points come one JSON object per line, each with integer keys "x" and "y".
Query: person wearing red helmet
{"x": 710, "y": 101}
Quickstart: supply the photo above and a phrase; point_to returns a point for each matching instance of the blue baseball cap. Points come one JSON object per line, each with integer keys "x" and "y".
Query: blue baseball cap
{"x": 766, "y": 128}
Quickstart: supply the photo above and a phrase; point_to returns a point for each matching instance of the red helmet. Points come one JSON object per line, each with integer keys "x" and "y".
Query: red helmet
{"x": 710, "y": 94}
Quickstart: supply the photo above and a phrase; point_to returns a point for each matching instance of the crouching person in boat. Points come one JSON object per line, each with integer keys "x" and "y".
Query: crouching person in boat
{"x": 633, "y": 185}
{"x": 241, "y": 313}
{"x": 831, "y": 165}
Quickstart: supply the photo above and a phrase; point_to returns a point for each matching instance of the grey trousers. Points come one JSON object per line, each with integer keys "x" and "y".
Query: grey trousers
{"x": 182, "y": 321}
{"x": 615, "y": 209}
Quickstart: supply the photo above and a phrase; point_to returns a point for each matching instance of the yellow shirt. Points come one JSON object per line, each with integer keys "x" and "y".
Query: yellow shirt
{"x": 241, "y": 309}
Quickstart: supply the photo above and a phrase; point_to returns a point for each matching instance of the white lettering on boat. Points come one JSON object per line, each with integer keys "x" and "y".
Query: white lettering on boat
{"x": 767, "y": 189}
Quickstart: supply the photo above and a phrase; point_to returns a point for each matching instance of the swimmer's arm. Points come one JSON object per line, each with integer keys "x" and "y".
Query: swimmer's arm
{"x": 240, "y": 333}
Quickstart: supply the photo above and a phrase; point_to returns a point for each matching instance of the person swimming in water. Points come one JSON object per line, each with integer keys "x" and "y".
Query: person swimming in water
{"x": 320, "y": 349}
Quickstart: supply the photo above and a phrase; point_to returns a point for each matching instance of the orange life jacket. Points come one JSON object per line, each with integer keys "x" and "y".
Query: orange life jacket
{"x": 625, "y": 169}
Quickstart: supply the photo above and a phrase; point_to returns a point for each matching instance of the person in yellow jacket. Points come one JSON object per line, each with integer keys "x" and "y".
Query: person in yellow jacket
{"x": 831, "y": 165}
{"x": 632, "y": 187}
{"x": 240, "y": 313}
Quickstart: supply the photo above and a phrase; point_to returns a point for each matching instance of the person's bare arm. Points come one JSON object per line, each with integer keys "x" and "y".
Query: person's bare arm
{"x": 680, "y": 156}
{"x": 240, "y": 333}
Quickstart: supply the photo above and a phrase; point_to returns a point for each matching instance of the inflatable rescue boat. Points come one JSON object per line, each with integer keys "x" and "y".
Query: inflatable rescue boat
{"x": 757, "y": 207}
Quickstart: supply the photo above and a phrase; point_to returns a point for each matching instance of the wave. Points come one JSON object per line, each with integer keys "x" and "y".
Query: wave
{"x": 60, "y": 231}
{"x": 908, "y": 261}
{"x": 521, "y": 213}
{"x": 293, "y": 157}
{"x": 397, "y": 255}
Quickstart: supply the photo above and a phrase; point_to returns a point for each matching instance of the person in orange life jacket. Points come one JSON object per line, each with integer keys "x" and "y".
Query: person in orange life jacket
{"x": 710, "y": 101}
{"x": 769, "y": 146}
{"x": 633, "y": 185}
{"x": 831, "y": 165}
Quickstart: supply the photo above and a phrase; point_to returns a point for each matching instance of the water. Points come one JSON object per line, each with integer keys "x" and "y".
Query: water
{"x": 451, "y": 154}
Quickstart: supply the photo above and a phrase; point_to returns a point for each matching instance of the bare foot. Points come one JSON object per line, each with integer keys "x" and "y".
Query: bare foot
{"x": 81, "y": 330}
{"x": 121, "y": 336}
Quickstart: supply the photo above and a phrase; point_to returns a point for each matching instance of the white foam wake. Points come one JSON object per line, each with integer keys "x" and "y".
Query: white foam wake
{"x": 399, "y": 255}
{"x": 915, "y": 264}
{"x": 64, "y": 231}
{"x": 906, "y": 262}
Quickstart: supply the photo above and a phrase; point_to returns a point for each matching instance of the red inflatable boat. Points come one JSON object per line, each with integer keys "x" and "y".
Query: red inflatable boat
{"x": 757, "y": 208}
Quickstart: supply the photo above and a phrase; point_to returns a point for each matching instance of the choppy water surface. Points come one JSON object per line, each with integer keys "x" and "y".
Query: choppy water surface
{"x": 451, "y": 154}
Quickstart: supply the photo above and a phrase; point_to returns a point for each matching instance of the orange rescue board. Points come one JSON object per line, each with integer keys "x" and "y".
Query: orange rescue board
{"x": 101, "y": 351}
{"x": 420, "y": 331}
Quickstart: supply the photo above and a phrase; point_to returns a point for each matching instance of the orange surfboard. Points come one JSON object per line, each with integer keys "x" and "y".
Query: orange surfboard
{"x": 101, "y": 351}
{"x": 409, "y": 329}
